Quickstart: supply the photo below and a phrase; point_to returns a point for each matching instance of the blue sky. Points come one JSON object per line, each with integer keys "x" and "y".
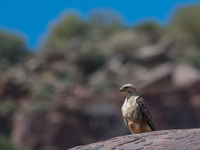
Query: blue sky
{"x": 31, "y": 18}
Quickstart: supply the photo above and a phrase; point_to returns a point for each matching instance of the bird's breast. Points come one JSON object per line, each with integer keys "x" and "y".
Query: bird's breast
{"x": 130, "y": 109}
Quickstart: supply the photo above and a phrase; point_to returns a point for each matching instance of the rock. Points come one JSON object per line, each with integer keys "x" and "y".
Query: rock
{"x": 80, "y": 116}
{"x": 155, "y": 54}
{"x": 158, "y": 140}
{"x": 156, "y": 75}
{"x": 185, "y": 76}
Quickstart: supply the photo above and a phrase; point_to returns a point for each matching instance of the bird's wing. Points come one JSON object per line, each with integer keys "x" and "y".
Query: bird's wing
{"x": 125, "y": 121}
{"x": 146, "y": 113}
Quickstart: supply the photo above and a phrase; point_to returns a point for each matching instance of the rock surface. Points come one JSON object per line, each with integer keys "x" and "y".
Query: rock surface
{"x": 158, "y": 140}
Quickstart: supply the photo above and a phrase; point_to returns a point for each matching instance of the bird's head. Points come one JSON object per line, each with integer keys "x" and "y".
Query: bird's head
{"x": 128, "y": 89}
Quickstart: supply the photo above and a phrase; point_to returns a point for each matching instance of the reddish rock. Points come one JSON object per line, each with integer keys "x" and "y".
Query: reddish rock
{"x": 158, "y": 140}
{"x": 185, "y": 76}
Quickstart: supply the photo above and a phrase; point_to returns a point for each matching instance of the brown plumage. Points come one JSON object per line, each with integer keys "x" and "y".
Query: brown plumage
{"x": 136, "y": 115}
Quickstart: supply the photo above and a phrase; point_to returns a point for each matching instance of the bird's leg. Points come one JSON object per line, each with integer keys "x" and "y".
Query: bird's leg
{"x": 131, "y": 127}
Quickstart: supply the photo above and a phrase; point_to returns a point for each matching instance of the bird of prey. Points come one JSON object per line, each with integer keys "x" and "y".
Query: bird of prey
{"x": 135, "y": 113}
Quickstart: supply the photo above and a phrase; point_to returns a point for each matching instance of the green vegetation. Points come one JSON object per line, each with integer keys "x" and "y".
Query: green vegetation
{"x": 151, "y": 29}
{"x": 71, "y": 26}
{"x": 12, "y": 48}
{"x": 185, "y": 25}
{"x": 106, "y": 22}
{"x": 184, "y": 28}
{"x": 6, "y": 144}
{"x": 8, "y": 107}
{"x": 94, "y": 59}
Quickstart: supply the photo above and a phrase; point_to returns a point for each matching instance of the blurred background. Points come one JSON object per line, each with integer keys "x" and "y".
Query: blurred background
{"x": 62, "y": 64}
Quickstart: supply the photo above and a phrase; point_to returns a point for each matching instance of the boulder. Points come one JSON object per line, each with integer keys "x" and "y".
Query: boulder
{"x": 158, "y": 140}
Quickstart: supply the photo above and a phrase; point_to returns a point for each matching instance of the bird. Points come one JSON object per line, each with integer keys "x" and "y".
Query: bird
{"x": 134, "y": 111}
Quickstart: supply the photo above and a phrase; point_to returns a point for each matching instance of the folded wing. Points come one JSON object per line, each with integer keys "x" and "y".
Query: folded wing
{"x": 146, "y": 114}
